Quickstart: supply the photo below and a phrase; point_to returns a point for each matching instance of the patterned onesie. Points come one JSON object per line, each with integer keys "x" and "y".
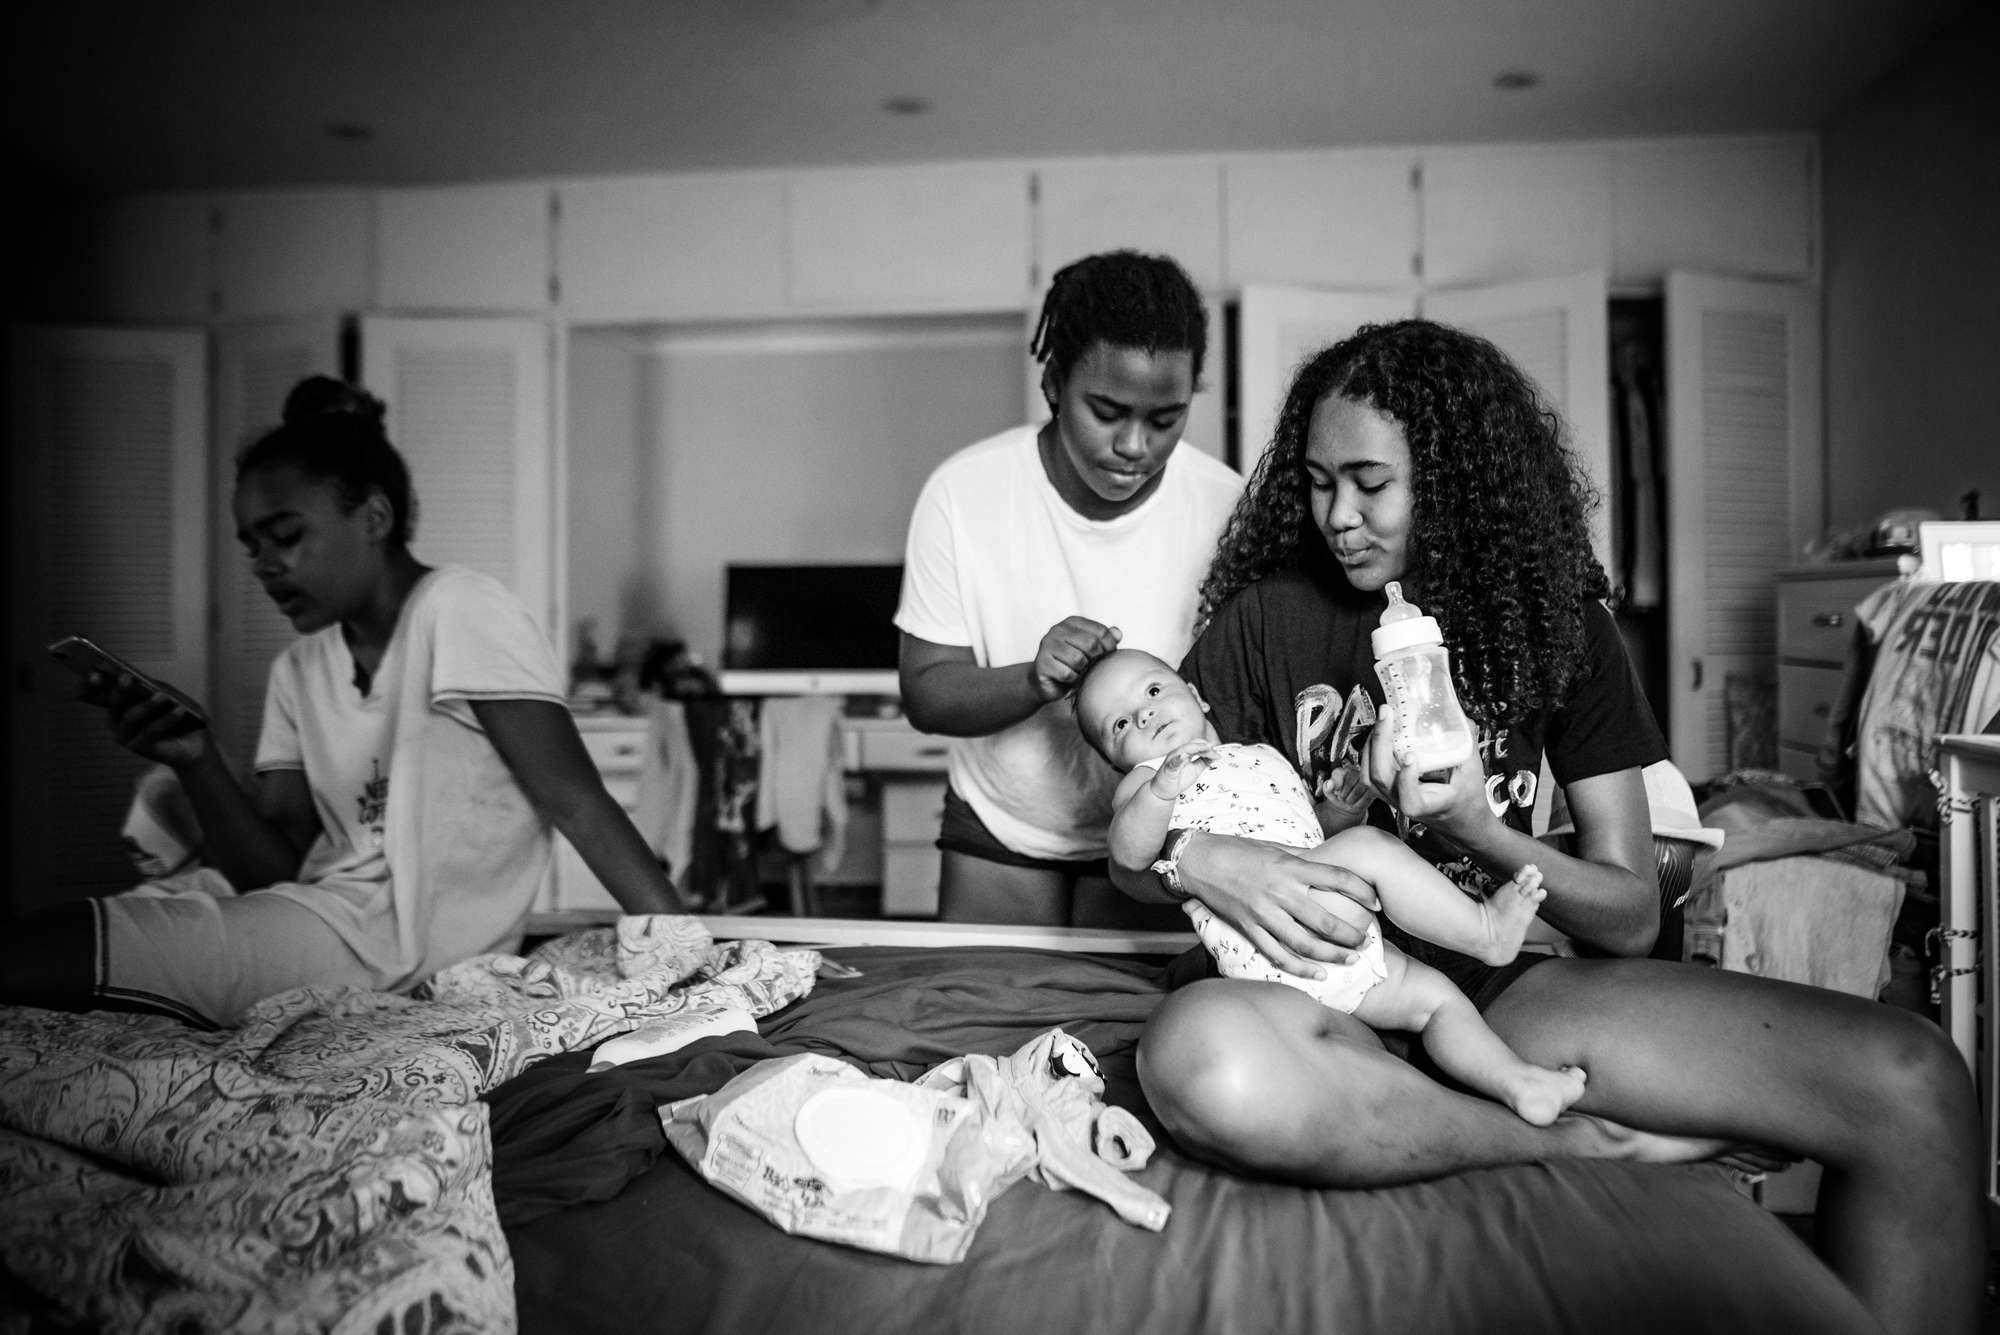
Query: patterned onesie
{"x": 1253, "y": 792}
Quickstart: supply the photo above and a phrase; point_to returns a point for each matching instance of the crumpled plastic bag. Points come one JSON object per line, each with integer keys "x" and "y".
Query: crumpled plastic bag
{"x": 975, "y": 1126}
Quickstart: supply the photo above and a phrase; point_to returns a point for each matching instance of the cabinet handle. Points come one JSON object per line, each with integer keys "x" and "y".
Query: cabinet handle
{"x": 1831, "y": 620}
{"x": 933, "y": 750}
{"x": 1697, "y": 676}
{"x": 1821, "y": 711}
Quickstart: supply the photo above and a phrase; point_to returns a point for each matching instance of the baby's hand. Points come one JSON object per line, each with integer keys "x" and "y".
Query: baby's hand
{"x": 1181, "y": 767}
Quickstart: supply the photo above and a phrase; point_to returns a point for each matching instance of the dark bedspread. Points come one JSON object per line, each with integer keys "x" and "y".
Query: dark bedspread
{"x": 611, "y": 1233}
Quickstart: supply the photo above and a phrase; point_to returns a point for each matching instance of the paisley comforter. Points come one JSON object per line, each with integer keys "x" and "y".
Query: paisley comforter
{"x": 324, "y": 1165}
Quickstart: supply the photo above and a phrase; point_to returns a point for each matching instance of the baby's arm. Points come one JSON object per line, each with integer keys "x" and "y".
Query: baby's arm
{"x": 1144, "y": 804}
{"x": 1418, "y": 898}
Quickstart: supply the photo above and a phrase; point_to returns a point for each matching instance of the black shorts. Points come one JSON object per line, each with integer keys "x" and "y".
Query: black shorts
{"x": 963, "y": 832}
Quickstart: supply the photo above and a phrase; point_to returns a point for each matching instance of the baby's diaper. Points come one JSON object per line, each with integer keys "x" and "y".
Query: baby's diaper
{"x": 1343, "y": 987}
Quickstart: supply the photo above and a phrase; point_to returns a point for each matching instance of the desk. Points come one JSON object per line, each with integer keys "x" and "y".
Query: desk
{"x": 1970, "y": 863}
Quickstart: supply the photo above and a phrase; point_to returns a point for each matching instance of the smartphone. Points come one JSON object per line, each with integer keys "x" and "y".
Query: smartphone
{"x": 85, "y": 658}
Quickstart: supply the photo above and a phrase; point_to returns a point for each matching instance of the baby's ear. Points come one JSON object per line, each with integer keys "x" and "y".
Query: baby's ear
{"x": 1196, "y": 692}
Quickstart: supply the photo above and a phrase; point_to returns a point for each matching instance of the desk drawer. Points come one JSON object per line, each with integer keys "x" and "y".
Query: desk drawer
{"x": 905, "y": 749}
{"x": 1816, "y": 617}
{"x": 1805, "y": 701}
{"x": 912, "y": 813}
{"x": 616, "y": 752}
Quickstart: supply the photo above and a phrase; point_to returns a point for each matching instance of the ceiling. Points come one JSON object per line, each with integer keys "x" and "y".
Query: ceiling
{"x": 136, "y": 94}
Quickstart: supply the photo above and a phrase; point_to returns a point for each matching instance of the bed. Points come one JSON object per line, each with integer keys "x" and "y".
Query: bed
{"x": 467, "y": 1173}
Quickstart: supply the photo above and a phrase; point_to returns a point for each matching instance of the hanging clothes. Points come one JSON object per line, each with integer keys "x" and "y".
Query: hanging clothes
{"x": 800, "y": 790}
{"x": 669, "y": 788}
{"x": 1636, "y": 417}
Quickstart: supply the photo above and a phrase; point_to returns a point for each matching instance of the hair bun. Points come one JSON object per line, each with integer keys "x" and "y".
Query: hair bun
{"x": 323, "y": 396}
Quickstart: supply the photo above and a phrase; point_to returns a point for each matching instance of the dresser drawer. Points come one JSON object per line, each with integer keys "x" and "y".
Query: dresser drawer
{"x": 619, "y": 751}
{"x": 905, "y": 749}
{"x": 1805, "y": 701}
{"x": 912, "y": 813}
{"x": 1816, "y": 617}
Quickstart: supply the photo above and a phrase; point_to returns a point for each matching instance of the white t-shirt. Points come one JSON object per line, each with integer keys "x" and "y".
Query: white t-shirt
{"x": 462, "y": 636}
{"x": 996, "y": 557}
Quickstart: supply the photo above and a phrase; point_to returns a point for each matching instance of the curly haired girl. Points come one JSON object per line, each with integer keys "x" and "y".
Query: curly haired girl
{"x": 1418, "y": 453}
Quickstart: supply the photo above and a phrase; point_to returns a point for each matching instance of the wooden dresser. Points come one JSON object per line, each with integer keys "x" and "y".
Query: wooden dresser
{"x": 1815, "y": 623}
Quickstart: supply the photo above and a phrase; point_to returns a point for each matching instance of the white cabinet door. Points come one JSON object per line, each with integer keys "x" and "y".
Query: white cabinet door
{"x": 1734, "y": 206}
{"x": 1278, "y": 328}
{"x": 469, "y": 408}
{"x": 1162, "y": 206}
{"x": 672, "y": 248}
{"x": 463, "y": 248}
{"x": 149, "y": 258}
{"x": 1492, "y": 215}
{"x": 1556, "y": 330}
{"x": 255, "y": 368}
{"x": 910, "y": 239}
{"x": 110, "y": 534}
{"x": 1334, "y": 220}
{"x": 292, "y": 252}
{"x": 1744, "y": 485}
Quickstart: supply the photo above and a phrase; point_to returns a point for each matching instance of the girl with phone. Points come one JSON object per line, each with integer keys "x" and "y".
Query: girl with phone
{"x": 416, "y": 750}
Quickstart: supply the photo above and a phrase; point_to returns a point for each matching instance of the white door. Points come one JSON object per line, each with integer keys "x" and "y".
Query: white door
{"x": 110, "y": 518}
{"x": 255, "y": 367}
{"x": 469, "y": 409}
{"x": 1555, "y": 329}
{"x": 1280, "y": 327}
{"x": 1745, "y": 488}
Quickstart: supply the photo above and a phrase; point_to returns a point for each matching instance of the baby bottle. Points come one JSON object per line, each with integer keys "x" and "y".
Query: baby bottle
{"x": 1432, "y": 732}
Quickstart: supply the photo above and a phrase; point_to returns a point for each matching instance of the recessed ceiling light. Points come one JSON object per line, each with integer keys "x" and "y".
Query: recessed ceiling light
{"x": 350, "y": 132}
{"x": 904, "y": 105}
{"x": 1515, "y": 80}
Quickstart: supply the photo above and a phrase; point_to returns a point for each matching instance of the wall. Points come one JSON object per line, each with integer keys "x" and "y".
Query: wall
{"x": 1912, "y": 212}
{"x": 781, "y": 442}
{"x": 607, "y": 563}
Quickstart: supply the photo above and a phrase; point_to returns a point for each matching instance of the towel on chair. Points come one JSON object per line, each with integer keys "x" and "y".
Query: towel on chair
{"x": 669, "y": 784}
{"x": 1811, "y": 920}
{"x": 799, "y": 787}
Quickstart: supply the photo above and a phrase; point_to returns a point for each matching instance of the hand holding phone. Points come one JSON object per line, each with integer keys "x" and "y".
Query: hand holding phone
{"x": 148, "y": 717}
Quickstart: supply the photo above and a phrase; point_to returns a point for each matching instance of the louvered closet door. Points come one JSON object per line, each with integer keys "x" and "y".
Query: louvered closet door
{"x": 1745, "y": 487}
{"x": 469, "y": 408}
{"x": 256, "y": 366}
{"x": 110, "y": 518}
{"x": 1277, "y": 329}
{"x": 1557, "y": 330}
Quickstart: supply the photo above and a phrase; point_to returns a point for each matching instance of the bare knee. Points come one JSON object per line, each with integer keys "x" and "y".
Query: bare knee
{"x": 1213, "y": 1061}
{"x": 1911, "y": 1066}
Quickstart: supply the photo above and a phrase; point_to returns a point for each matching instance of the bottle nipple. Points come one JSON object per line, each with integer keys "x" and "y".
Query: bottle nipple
{"x": 1398, "y": 610}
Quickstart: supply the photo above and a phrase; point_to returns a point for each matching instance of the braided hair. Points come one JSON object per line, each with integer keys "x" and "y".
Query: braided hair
{"x": 1121, "y": 299}
{"x": 1500, "y": 525}
{"x": 333, "y": 431}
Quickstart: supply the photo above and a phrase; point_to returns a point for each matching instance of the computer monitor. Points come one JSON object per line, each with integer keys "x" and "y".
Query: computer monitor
{"x": 810, "y": 629}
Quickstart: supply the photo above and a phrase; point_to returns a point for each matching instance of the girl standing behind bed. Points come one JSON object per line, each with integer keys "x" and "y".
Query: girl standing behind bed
{"x": 416, "y": 749}
{"x": 1035, "y": 553}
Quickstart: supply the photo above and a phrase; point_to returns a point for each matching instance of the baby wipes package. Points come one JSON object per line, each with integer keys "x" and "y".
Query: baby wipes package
{"x": 824, "y": 1151}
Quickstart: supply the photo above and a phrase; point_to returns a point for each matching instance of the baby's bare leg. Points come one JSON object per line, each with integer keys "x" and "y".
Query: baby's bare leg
{"x": 1419, "y": 899}
{"x": 1415, "y": 997}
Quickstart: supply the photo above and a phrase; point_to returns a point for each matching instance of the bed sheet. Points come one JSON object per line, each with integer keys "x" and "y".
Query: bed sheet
{"x": 1570, "y": 1246}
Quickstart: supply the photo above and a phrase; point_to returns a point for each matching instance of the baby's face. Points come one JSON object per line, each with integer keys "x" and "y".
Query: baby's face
{"x": 1137, "y": 708}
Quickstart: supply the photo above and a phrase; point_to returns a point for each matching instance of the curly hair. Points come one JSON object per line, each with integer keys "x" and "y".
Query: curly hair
{"x": 333, "y": 431}
{"x": 1123, "y": 299}
{"x": 1500, "y": 524}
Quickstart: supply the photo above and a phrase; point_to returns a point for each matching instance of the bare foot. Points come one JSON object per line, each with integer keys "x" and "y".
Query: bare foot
{"x": 1591, "y": 1137}
{"x": 1508, "y": 913}
{"x": 1539, "y": 1095}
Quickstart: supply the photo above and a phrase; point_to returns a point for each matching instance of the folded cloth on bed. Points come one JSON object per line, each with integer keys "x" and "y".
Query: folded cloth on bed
{"x": 324, "y": 1163}
{"x": 1811, "y": 920}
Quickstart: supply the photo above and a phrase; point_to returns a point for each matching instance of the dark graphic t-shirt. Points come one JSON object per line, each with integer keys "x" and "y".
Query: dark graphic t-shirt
{"x": 1307, "y": 626}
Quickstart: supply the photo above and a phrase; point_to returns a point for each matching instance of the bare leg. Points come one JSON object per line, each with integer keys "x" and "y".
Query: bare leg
{"x": 1876, "y": 1095}
{"x": 1261, "y": 1078}
{"x": 1416, "y": 998}
{"x": 972, "y": 889}
{"x": 1420, "y": 900}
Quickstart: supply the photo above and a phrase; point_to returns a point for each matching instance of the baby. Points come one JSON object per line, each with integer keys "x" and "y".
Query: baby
{"x": 1154, "y": 727}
